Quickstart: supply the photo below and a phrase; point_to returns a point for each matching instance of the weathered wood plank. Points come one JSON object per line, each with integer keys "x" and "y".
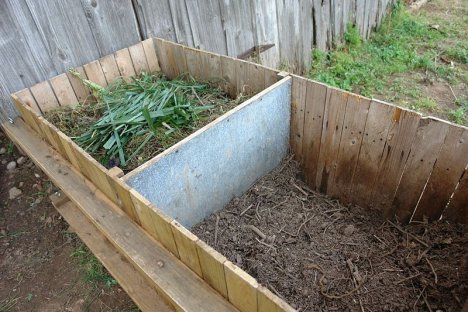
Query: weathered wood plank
{"x": 143, "y": 213}
{"x": 94, "y": 73}
{"x": 109, "y": 68}
{"x": 179, "y": 58}
{"x": 298, "y": 99}
{"x": 290, "y": 49}
{"x": 63, "y": 91}
{"x": 137, "y": 54}
{"x": 210, "y": 66}
{"x": 331, "y": 136}
{"x": 228, "y": 73}
{"x": 186, "y": 247}
{"x": 379, "y": 121}
{"x": 206, "y": 15}
{"x": 181, "y": 22}
{"x": 155, "y": 19}
{"x": 44, "y": 96}
{"x": 112, "y": 23}
{"x": 322, "y": 23}
{"x": 256, "y": 77}
{"x": 316, "y": 97}
{"x": 237, "y": 23}
{"x": 124, "y": 199}
{"x": 81, "y": 91}
{"x": 397, "y": 148}
{"x": 124, "y": 63}
{"x": 212, "y": 266}
{"x": 137, "y": 287}
{"x": 266, "y": 30}
{"x": 449, "y": 167}
{"x": 28, "y": 114}
{"x": 151, "y": 57}
{"x": 27, "y": 98}
{"x": 457, "y": 209}
{"x": 429, "y": 138}
{"x": 350, "y": 144}
{"x": 268, "y": 302}
{"x": 164, "y": 51}
{"x": 192, "y": 57}
{"x": 241, "y": 287}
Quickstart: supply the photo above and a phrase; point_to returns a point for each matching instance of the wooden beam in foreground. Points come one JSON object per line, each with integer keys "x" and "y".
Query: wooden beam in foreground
{"x": 171, "y": 279}
{"x": 141, "y": 292}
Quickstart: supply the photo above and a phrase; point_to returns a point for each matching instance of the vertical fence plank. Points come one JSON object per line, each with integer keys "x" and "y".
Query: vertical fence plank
{"x": 298, "y": 99}
{"x": 109, "y": 68}
{"x": 64, "y": 91}
{"x": 137, "y": 54}
{"x": 29, "y": 115}
{"x": 429, "y": 138}
{"x": 143, "y": 213}
{"x": 350, "y": 144}
{"x": 268, "y": 302}
{"x": 210, "y": 66}
{"x": 331, "y": 136}
{"x": 151, "y": 57}
{"x": 228, "y": 73}
{"x": 212, "y": 266}
{"x": 316, "y": 97}
{"x": 44, "y": 96}
{"x": 181, "y": 22}
{"x": 290, "y": 49}
{"x": 124, "y": 63}
{"x": 27, "y": 98}
{"x": 256, "y": 77}
{"x": 124, "y": 200}
{"x": 266, "y": 27}
{"x": 186, "y": 247}
{"x": 192, "y": 57}
{"x": 241, "y": 288}
{"x": 457, "y": 209}
{"x": 397, "y": 148}
{"x": 155, "y": 19}
{"x": 179, "y": 58}
{"x": 166, "y": 57}
{"x": 94, "y": 73}
{"x": 378, "y": 123}
{"x": 450, "y": 165}
{"x": 81, "y": 91}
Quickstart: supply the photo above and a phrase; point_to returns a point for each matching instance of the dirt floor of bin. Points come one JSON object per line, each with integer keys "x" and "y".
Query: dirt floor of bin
{"x": 320, "y": 255}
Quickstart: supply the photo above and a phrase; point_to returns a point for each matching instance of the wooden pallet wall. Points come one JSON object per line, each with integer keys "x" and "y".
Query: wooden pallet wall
{"x": 378, "y": 155}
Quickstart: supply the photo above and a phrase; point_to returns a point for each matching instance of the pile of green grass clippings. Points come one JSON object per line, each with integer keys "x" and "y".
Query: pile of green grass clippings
{"x": 130, "y": 121}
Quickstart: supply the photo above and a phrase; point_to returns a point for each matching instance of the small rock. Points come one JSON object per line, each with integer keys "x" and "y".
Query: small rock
{"x": 14, "y": 192}
{"x": 11, "y": 165}
{"x": 4, "y": 161}
{"x": 38, "y": 200}
{"x": 2, "y": 151}
{"x": 349, "y": 230}
{"x": 20, "y": 185}
{"x": 37, "y": 175}
{"x": 21, "y": 160}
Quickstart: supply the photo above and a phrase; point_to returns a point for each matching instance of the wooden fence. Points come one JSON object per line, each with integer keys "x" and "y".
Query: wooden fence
{"x": 40, "y": 39}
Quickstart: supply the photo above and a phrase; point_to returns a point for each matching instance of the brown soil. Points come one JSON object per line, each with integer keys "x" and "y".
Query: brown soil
{"x": 37, "y": 271}
{"x": 322, "y": 256}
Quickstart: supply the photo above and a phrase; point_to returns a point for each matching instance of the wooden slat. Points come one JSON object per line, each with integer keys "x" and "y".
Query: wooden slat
{"x": 27, "y": 98}
{"x": 450, "y": 165}
{"x": 44, "y": 96}
{"x": 242, "y": 77}
{"x": 136, "y": 286}
{"x": 124, "y": 63}
{"x": 68, "y": 148}
{"x": 109, "y": 68}
{"x": 181, "y": 22}
{"x": 29, "y": 116}
{"x": 171, "y": 279}
{"x": 137, "y": 53}
{"x": 316, "y": 97}
{"x": 350, "y": 144}
{"x": 81, "y": 91}
{"x": 298, "y": 99}
{"x": 143, "y": 212}
{"x": 210, "y": 66}
{"x": 179, "y": 58}
{"x": 48, "y": 132}
{"x": 397, "y": 148}
{"x": 331, "y": 136}
{"x": 379, "y": 120}
{"x": 166, "y": 58}
{"x": 192, "y": 57}
{"x": 256, "y": 75}
{"x": 186, "y": 247}
{"x": 63, "y": 91}
{"x": 151, "y": 57}
{"x": 266, "y": 30}
{"x": 122, "y": 191}
{"x": 269, "y": 302}
{"x": 457, "y": 209}
{"x": 429, "y": 138}
{"x": 271, "y": 76}
{"x": 94, "y": 73}
{"x": 228, "y": 73}
{"x": 241, "y": 287}
{"x": 212, "y": 266}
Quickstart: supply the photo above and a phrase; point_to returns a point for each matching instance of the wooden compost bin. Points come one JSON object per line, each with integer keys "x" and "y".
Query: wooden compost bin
{"x": 358, "y": 150}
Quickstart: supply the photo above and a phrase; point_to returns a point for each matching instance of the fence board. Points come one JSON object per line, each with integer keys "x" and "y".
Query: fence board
{"x": 397, "y": 148}
{"x": 457, "y": 209}
{"x": 164, "y": 51}
{"x": 210, "y": 66}
{"x": 288, "y": 15}
{"x": 27, "y": 98}
{"x": 268, "y": 302}
{"x": 424, "y": 152}
{"x": 109, "y": 68}
{"x": 316, "y": 97}
{"x": 44, "y": 96}
{"x": 124, "y": 63}
{"x": 378, "y": 123}
{"x": 63, "y": 91}
{"x": 154, "y": 18}
{"x": 450, "y": 165}
{"x": 94, "y": 73}
{"x": 151, "y": 57}
{"x": 186, "y": 247}
{"x": 81, "y": 91}
{"x": 181, "y": 22}
{"x": 298, "y": 99}
{"x": 266, "y": 30}
{"x": 331, "y": 136}
{"x": 212, "y": 266}
{"x": 206, "y": 15}
{"x": 228, "y": 73}
{"x": 193, "y": 60}
{"x": 350, "y": 144}
{"x": 241, "y": 287}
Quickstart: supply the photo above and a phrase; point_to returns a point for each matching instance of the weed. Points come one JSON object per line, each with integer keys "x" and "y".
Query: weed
{"x": 10, "y": 148}
{"x": 95, "y": 273}
{"x": 424, "y": 104}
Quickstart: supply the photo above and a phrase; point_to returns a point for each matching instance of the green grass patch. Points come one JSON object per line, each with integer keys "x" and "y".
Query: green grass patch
{"x": 94, "y": 271}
